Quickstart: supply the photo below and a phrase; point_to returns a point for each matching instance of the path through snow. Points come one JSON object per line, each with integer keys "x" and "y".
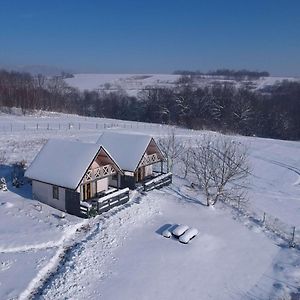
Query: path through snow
{"x": 128, "y": 238}
{"x": 88, "y": 258}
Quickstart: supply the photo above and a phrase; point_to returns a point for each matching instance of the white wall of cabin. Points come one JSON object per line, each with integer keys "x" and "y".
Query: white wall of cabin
{"x": 43, "y": 192}
{"x": 148, "y": 170}
{"x": 102, "y": 184}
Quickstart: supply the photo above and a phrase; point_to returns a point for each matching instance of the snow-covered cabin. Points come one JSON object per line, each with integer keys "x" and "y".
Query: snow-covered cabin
{"x": 64, "y": 173}
{"x": 136, "y": 155}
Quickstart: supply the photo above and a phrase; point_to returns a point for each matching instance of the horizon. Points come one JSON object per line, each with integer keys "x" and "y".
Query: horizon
{"x": 152, "y": 38}
{"x": 24, "y": 68}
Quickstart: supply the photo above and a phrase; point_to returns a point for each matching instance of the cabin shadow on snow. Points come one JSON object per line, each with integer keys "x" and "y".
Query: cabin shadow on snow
{"x": 24, "y": 190}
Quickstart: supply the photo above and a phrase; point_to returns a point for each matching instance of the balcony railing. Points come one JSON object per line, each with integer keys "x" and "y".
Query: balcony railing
{"x": 98, "y": 173}
{"x": 149, "y": 159}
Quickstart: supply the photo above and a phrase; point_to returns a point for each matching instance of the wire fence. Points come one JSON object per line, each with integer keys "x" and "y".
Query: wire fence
{"x": 288, "y": 233}
{"x": 44, "y": 126}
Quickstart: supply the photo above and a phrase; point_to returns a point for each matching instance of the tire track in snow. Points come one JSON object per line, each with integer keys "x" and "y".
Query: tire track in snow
{"x": 35, "y": 282}
{"x": 70, "y": 231}
{"x": 283, "y": 165}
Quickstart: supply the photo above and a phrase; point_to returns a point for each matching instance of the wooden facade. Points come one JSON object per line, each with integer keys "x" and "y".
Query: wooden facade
{"x": 93, "y": 182}
{"x": 96, "y": 176}
{"x": 151, "y": 156}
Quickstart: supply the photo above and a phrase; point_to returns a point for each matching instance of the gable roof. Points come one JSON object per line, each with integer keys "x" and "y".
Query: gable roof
{"x": 62, "y": 163}
{"x": 126, "y": 148}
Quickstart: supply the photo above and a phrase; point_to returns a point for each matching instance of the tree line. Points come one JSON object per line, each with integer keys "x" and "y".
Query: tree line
{"x": 235, "y": 74}
{"x": 222, "y": 107}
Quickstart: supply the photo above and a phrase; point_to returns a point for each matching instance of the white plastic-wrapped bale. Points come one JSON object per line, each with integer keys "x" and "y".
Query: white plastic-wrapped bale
{"x": 179, "y": 230}
{"x": 188, "y": 235}
{"x": 166, "y": 233}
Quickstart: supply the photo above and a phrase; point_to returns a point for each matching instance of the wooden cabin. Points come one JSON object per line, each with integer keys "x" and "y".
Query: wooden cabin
{"x": 65, "y": 173}
{"x": 136, "y": 154}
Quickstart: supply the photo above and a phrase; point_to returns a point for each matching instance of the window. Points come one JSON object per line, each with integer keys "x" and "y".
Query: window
{"x": 55, "y": 192}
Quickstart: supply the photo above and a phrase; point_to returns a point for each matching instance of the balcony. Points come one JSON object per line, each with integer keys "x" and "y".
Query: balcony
{"x": 98, "y": 173}
{"x": 149, "y": 159}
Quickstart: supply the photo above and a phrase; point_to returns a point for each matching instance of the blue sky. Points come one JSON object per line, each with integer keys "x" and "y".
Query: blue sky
{"x": 137, "y": 36}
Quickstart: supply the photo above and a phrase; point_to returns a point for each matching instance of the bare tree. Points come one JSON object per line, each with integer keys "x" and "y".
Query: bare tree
{"x": 172, "y": 148}
{"x": 220, "y": 165}
{"x": 2, "y": 157}
{"x": 186, "y": 158}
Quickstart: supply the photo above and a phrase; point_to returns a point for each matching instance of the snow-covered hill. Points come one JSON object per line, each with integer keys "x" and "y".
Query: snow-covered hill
{"x": 121, "y": 254}
{"x": 133, "y": 83}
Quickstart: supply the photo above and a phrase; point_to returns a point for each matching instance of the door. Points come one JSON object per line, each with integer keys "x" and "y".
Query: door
{"x": 87, "y": 193}
{"x": 141, "y": 173}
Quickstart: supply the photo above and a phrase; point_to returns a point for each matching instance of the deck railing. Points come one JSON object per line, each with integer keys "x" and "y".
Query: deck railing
{"x": 158, "y": 182}
{"x": 99, "y": 205}
{"x": 85, "y": 208}
{"x": 109, "y": 201}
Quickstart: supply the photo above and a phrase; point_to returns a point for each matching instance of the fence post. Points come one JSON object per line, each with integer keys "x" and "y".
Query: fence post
{"x": 24, "y": 126}
{"x": 37, "y": 126}
{"x": 264, "y": 218}
{"x": 69, "y": 126}
{"x": 79, "y": 126}
{"x": 292, "y": 243}
{"x": 48, "y": 126}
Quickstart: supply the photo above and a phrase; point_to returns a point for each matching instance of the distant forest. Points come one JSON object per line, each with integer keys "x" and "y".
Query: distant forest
{"x": 221, "y": 107}
{"x": 235, "y": 74}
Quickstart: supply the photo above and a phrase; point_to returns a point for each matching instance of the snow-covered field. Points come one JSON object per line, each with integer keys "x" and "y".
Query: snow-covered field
{"x": 133, "y": 83}
{"x": 122, "y": 254}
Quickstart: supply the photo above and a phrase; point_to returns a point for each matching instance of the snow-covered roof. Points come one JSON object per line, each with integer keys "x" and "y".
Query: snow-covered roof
{"x": 62, "y": 163}
{"x": 126, "y": 148}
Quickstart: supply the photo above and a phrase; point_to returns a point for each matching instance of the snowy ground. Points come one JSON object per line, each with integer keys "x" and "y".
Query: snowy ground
{"x": 121, "y": 254}
{"x": 129, "y": 258}
{"x": 31, "y": 234}
{"x": 275, "y": 186}
{"x": 133, "y": 83}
